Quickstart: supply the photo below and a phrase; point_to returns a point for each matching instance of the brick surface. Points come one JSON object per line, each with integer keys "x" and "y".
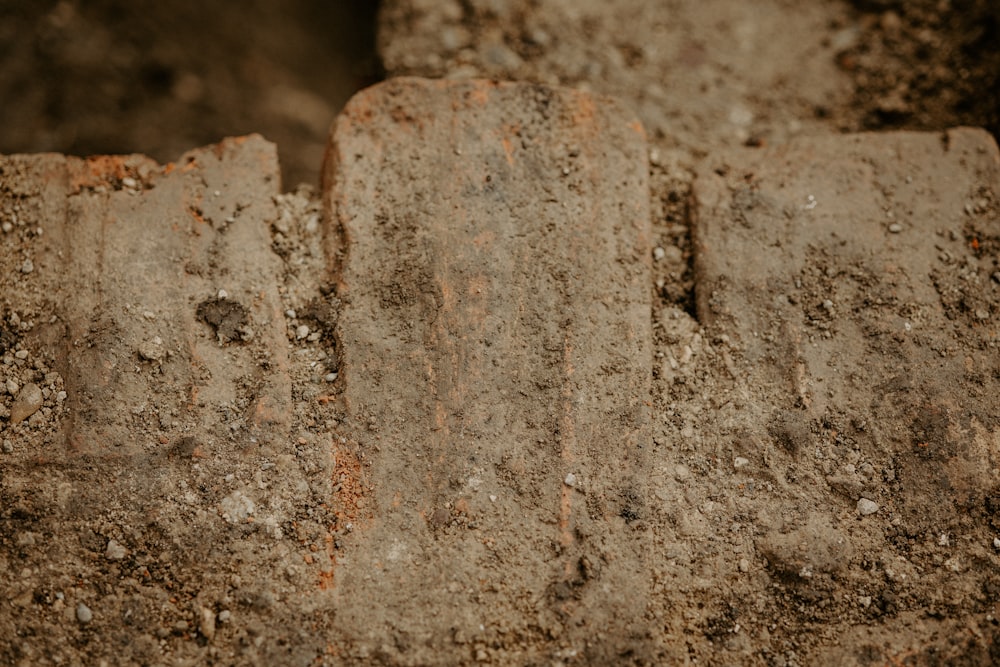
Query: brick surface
{"x": 165, "y": 481}
{"x": 855, "y": 273}
{"x": 496, "y": 346}
{"x": 128, "y": 253}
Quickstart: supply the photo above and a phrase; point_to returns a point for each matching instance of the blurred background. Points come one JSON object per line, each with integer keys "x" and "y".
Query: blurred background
{"x": 106, "y": 76}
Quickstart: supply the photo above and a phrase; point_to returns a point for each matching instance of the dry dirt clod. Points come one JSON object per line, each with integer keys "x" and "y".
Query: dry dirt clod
{"x": 152, "y": 349}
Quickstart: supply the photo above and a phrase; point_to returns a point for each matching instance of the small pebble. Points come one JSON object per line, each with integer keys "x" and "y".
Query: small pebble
{"x": 28, "y": 266}
{"x": 659, "y": 253}
{"x": 129, "y": 183}
{"x": 7, "y": 227}
{"x": 206, "y": 624}
{"x": 152, "y": 349}
{"x": 224, "y": 616}
{"x": 223, "y": 294}
{"x": 12, "y": 387}
{"x": 21, "y": 354}
{"x": 866, "y": 507}
{"x": 744, "y": 565}
{"x": 115, "y": 550}
{"x": 996, "y": 540}
{"x": 27, "y": 403}
{"x": 570, "y": 480}
{"x": 740, "y": 462}
{"x": 83, "y": 613}
{"x": 301, "y": 332}
{"x": 290, "y": 314}
{"x": 895, "y": 228}
{"x": 8, "y": 446}
{"x": 330, "y": 377}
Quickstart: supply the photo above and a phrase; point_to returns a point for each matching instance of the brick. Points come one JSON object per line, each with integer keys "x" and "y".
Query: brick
{"x": 854, "y": 275}
{"x": 128, "y": 252}
{"x": 495, "y": 339}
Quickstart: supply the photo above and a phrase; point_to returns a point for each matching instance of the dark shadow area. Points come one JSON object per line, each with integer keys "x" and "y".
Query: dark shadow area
{"x": 108, "y": 76}
{"x": 925, "y": 64}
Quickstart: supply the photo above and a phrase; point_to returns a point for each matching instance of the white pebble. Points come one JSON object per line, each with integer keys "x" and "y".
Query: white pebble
{"x": 895, "y": 228}
{"x": 570, "y": 480}
{"x": 129, "y": 183}
{"x": 7, "y": 227}
{"x": 115, "y": 550}
{"x": 301, "y": 332}
{"x": 21, "y": 354}
{"x": 28, "y": 266}
{"x": 290, "y": 314}
{"x": 330, "y": 377}
{"x": 659, "y": 253}
{"x": 740, "y": 462}
{"x": 83, "y": 613}
{"x": 223, "y": 294}
{"x": 12, "y": 387}
{"x": 866, "y": 507}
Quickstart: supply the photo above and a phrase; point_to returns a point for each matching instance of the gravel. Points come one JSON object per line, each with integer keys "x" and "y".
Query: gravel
{"x": 83, "y": 613}
{"x": 115, "y": 550}
{"x": 152, "y": 349}
{"x": 27, "y": 403}
{"x": 866, "y": 507}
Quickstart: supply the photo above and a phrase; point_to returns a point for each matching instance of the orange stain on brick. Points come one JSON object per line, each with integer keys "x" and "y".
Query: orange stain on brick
{"x": 508, "y": 149}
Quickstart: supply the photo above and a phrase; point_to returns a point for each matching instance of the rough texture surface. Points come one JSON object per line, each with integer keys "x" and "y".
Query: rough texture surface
{"x": 495, "y": 340}
{"x": 789, "y": 512}
{"x": 149, "y": 475}
{"x": 868, "y": 317}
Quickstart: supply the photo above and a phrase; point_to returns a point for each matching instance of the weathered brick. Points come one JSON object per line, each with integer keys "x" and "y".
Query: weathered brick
{"x": 128, "y": 252}
{"x": 854, "y": 273}
{"x": 493, "y": 243}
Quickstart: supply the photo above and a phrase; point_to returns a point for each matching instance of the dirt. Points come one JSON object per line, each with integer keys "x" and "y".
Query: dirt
{"x": 188, "y": 544}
